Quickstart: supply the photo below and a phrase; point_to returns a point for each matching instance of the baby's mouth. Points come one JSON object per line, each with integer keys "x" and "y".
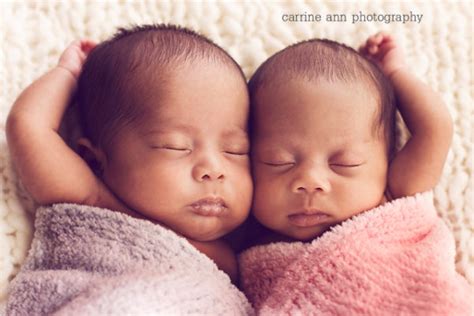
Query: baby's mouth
{"x": 308, "y": 218}
{"x": 209, "y": 206}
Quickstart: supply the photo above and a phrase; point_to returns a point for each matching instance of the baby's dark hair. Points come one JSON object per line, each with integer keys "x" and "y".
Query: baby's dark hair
{"x": 115, "y": 80}
{"x": 322, "y": 59}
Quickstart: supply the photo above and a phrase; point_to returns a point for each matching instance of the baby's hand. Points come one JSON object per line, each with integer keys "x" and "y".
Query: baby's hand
{"x": 74, "y": 56}
{"x": 384, "y": 51}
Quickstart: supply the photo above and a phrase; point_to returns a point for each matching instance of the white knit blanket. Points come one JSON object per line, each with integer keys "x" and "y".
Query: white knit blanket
{"x": 438, "y": 48}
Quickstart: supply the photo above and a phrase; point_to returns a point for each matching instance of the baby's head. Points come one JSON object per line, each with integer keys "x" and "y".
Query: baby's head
{"x": 322, "y": 128}
{"x": 164, "y": 113}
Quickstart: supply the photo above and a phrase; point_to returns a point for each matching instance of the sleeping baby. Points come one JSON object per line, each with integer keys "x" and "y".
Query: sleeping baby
{"x": 348, "y": 227}
{"x": 161, "y": 174}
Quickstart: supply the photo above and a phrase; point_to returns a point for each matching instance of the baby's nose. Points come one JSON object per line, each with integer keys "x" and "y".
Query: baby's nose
{"x": 208, "y": 168}
{"x": 311, "y": 181}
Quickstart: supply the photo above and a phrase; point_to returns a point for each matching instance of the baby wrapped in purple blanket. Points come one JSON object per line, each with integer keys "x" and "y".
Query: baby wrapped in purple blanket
{"x": 397, "y": 258}
{"x": 79, "y": 265}
{"x": 153, "y": 150}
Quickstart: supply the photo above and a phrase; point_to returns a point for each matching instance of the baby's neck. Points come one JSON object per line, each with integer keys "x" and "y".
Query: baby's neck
{"x": 222, "y": 255}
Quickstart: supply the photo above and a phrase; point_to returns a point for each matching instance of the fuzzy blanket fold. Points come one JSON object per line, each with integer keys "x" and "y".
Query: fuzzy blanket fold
{"x": 395, "y": 259}
{"x": 91, "y": 261}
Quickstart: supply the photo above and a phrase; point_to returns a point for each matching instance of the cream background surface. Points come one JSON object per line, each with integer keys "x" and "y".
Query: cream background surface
{"x": 439, "y": 50}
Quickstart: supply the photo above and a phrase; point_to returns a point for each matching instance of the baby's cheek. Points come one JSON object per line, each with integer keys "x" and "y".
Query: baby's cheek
{"x": 267, "y": 196}
{"x": 366, "y": 194}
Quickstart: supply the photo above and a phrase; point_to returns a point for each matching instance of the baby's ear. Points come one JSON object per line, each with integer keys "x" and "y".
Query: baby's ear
{"x": 94, "y": 156}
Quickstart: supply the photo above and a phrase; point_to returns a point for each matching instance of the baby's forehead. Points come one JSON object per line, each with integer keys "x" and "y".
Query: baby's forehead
{"x": 174, "y": 72}
{"x": 315, "y": 60}
{"x": 302, "y": 106}
{"x": 192, "y": 92}
{"x": 292, "y": 87}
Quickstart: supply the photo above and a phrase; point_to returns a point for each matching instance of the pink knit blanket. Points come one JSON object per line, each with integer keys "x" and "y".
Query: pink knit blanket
{"x": 396, "y": 259}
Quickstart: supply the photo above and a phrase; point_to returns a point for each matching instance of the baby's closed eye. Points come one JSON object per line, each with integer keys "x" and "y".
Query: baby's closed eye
{"x": 236, "y": 149}
{"x": 170, "y": 142}
{"x": 346, "y": 159}
{"x": 235, "y": 145}
{"x": 346, "y": 164}
{"x": 277, "y": 160}
{"x": 172, "y": 147}
{"x": 178, "y": 146}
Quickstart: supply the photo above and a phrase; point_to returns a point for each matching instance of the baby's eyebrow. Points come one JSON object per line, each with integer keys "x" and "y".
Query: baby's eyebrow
{"x": 352, "y": 151}
{"x": 169, "y": 129}
{"x": 235, "y": 132}
{"x": 272, "y": 150}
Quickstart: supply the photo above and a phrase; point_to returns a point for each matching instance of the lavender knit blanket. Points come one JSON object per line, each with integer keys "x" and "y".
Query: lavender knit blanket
{"x": 91, "y": 261}
{"x": 396, "y": 259}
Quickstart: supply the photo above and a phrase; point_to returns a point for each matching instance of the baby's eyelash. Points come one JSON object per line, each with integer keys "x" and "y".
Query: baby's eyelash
{"x": 237, "y": 153}
{"x": 279, "y": 164}
{"x": 175, "y": 148}
{"x": 345, "y": 165}
{"x": 171, "y": 148}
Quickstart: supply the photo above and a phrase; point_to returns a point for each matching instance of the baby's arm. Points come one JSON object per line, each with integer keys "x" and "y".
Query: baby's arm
{"x": 50, "y": 171}
{"x": 418, "y": 165}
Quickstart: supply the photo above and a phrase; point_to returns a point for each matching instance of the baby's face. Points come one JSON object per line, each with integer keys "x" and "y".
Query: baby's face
{"x": 187, "y": 166}
{"x": 317, "y": 160}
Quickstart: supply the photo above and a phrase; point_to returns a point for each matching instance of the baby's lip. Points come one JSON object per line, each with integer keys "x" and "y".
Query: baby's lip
{"x": 209, "y": 206}
{"x": 308, "y": 211}
{"x": 308, "y": 217}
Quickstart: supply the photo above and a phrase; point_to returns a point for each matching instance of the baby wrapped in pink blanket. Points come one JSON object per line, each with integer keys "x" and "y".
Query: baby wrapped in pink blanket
{"x": 395, "y": 259}
{"x": 325, "y": 165}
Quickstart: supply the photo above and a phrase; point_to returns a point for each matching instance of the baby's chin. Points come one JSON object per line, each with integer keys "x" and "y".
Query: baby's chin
{"x": 303, "y": 234}
{"x": 208, "y": 233}
{"x": 204, "y": 236}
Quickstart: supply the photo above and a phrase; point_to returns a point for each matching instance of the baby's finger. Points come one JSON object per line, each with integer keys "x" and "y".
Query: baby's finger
{"x": 386, "y": 46}
{"x": 367, "y": 46}
{"x": 75, "y": 43}
{"x": 382, "y": 35}
{"x": 373, "y": 49}
{"x": 374, "y": 40}
{"x": 82, "y": 56}
{"x": 87, "y": 45}
{"x": 388, "y": 39}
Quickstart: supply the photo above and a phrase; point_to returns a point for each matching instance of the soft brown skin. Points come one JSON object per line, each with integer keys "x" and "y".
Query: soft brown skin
{"x": 179, "y": 154}
{"x": 315, "y": 148}
{"x": 417, "y": 167}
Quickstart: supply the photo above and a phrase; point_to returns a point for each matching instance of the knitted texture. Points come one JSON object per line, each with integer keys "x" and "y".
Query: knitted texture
{"x": 439, "y": 50}
{"x": 92, "y": 261}
{"x": 396, "y": 259}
